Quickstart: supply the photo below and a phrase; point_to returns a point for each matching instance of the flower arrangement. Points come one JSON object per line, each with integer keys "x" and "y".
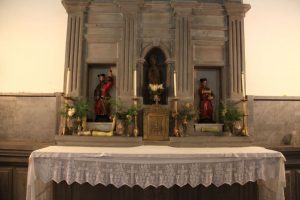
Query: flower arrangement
{"x": 123, "y": 113}
{"x": 185, "y": 114}
{"x": 156, "y": 90}
{"x": 229, "y": 114}
{"x": 75, "y": 111}
{"x": 77, "y": 108}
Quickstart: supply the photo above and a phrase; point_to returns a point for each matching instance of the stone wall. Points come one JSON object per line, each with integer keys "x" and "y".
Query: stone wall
{"x": 29, "y": 117}
{"x": 272, "y": 118}
{"x": 35, "y": 118}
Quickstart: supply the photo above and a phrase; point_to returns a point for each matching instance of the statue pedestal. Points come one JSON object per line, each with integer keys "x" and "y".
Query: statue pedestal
{"x": 156, "y": 123}
{"x": 100, "y": 126}
{"x": 208, "y": 128}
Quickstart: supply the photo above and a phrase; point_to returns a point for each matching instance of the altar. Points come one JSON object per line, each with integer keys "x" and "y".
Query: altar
{"x": 156, "y": 166}
{"x": 153, "y": 70}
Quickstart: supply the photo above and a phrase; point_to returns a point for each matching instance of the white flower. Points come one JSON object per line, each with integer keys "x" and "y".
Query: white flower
{"x": 71, "y": 112}
{"x": 155, "y": 87}
{"x": 160, "y": 86}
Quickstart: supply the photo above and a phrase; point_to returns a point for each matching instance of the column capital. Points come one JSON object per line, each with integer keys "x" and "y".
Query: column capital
{"x": 140, "y": 61}
{"x": 73, "y": 6}
{"x": 239, "y": 10}
{"x": 170, "y": 61}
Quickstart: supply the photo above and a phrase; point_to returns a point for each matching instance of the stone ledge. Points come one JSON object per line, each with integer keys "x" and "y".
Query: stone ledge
{"x": 74, "y": 140}
{"x": 27, "y": 94}
{"x": 189, "y": 141}
{"x": 274, "y": 98}
{"x": 23, "y": 145}
{"x": 211, "y": 141}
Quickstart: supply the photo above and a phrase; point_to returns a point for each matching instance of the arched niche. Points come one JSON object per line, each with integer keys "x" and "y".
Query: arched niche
{"x": 161, "y": 64}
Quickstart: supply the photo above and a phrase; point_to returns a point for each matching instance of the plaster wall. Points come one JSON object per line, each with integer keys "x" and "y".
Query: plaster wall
{"x": 32, "y": 54}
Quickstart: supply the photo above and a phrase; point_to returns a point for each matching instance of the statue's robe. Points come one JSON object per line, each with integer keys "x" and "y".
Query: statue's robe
{"x": 102, "y": 97}
{"x": 206, "y": 106}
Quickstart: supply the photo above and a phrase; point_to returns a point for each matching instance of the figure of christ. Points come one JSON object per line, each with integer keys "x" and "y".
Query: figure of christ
{"x": 206, "y": 106}
{"x": 102, "y": 97}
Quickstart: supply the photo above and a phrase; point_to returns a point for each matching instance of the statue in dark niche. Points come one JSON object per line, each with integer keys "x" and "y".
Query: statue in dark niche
{"x": 102, "y": 97}
{"x": 155, "y": 74}
{"x": 154, "y": 71}
{"x": 206, "y": 105}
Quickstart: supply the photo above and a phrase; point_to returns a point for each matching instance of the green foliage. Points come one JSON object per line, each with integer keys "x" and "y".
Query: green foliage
{"x": 229, "y": 113}
{"x": 122, "y": 112}
{"x": 78, "y": 107}
{"x": 81, "y": 106}
{"x": 187, "y": 112}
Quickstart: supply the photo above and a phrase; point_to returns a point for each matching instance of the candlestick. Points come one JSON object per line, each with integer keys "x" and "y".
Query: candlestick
{"x": 135, "y": 129}
{"x": 134, "y": 83}
{"x": 176, "y": 129}
{"x": 243, "y": 85}
{"x": 244, "y": 131}
{"x": 175, "y": 84}
{"x": 67, "y": 81}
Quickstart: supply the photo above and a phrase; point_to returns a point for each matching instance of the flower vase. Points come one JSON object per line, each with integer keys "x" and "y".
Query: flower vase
{"x": 120, "y": 128}
{"x": 79, "y": 126}
{"x": 156, "y": 98}
{"x": 84, "y": 123}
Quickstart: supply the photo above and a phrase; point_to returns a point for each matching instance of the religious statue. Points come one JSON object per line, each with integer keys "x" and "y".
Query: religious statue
{"x": 154, "y": 71}
{"x": 102, "y": 97}
{"x": 206, "y": 106}
{"x": 154, "y": 77}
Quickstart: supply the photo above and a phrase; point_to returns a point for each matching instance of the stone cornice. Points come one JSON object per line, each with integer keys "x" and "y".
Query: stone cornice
{"x": 235, "y": 9}
{"x": 208, "y": 8}
{"x": 75, "y": 6}
{"x": 183, "y": 8}
{"x": 129, "y": 6}
{"x": 27, "y": 94}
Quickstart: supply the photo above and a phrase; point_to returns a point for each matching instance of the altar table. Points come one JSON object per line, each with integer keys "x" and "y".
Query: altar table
{"x": 156, "y": 166}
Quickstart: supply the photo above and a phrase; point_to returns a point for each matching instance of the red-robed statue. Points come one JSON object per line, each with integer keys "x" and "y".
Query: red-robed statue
{"x": 102, "y": 97}
{"x": 206, "y": 106}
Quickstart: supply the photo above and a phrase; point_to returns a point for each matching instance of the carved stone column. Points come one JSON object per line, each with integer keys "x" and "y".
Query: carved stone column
{"x": 183, "y": 10}
{"x": 236, "y": 48}
{"x": 140, "y": 73}
{"x": 170, "y": 78}
{"x": 74, "y": 57}
{"x": 128, "y": 57}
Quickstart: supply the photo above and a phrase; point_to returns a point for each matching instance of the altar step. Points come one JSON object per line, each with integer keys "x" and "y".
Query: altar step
{"x": 187, "y": 141}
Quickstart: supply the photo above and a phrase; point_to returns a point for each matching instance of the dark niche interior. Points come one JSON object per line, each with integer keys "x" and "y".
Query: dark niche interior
{"x": 157, "y": 68}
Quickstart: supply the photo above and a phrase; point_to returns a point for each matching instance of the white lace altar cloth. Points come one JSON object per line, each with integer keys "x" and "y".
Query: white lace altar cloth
{"x": 156, "y": 166}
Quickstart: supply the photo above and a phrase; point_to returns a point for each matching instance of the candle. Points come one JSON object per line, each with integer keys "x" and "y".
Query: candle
{"x": 175, "y": 84}
{"x": 243, "y": 85}
{"x": 67, "y": 81}
{"x": 134, "y": 83}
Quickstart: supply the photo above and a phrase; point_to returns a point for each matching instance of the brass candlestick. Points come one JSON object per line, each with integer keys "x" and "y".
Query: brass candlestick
{"x": 65, "y": 128}
{"x": 244, "y": 131}
{"x": 135, "y": 129}
{"x": 176, "y": 129}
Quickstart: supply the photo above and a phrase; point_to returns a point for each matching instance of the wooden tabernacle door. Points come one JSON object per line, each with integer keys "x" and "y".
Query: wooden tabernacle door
{"x": 156, "y": 123}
